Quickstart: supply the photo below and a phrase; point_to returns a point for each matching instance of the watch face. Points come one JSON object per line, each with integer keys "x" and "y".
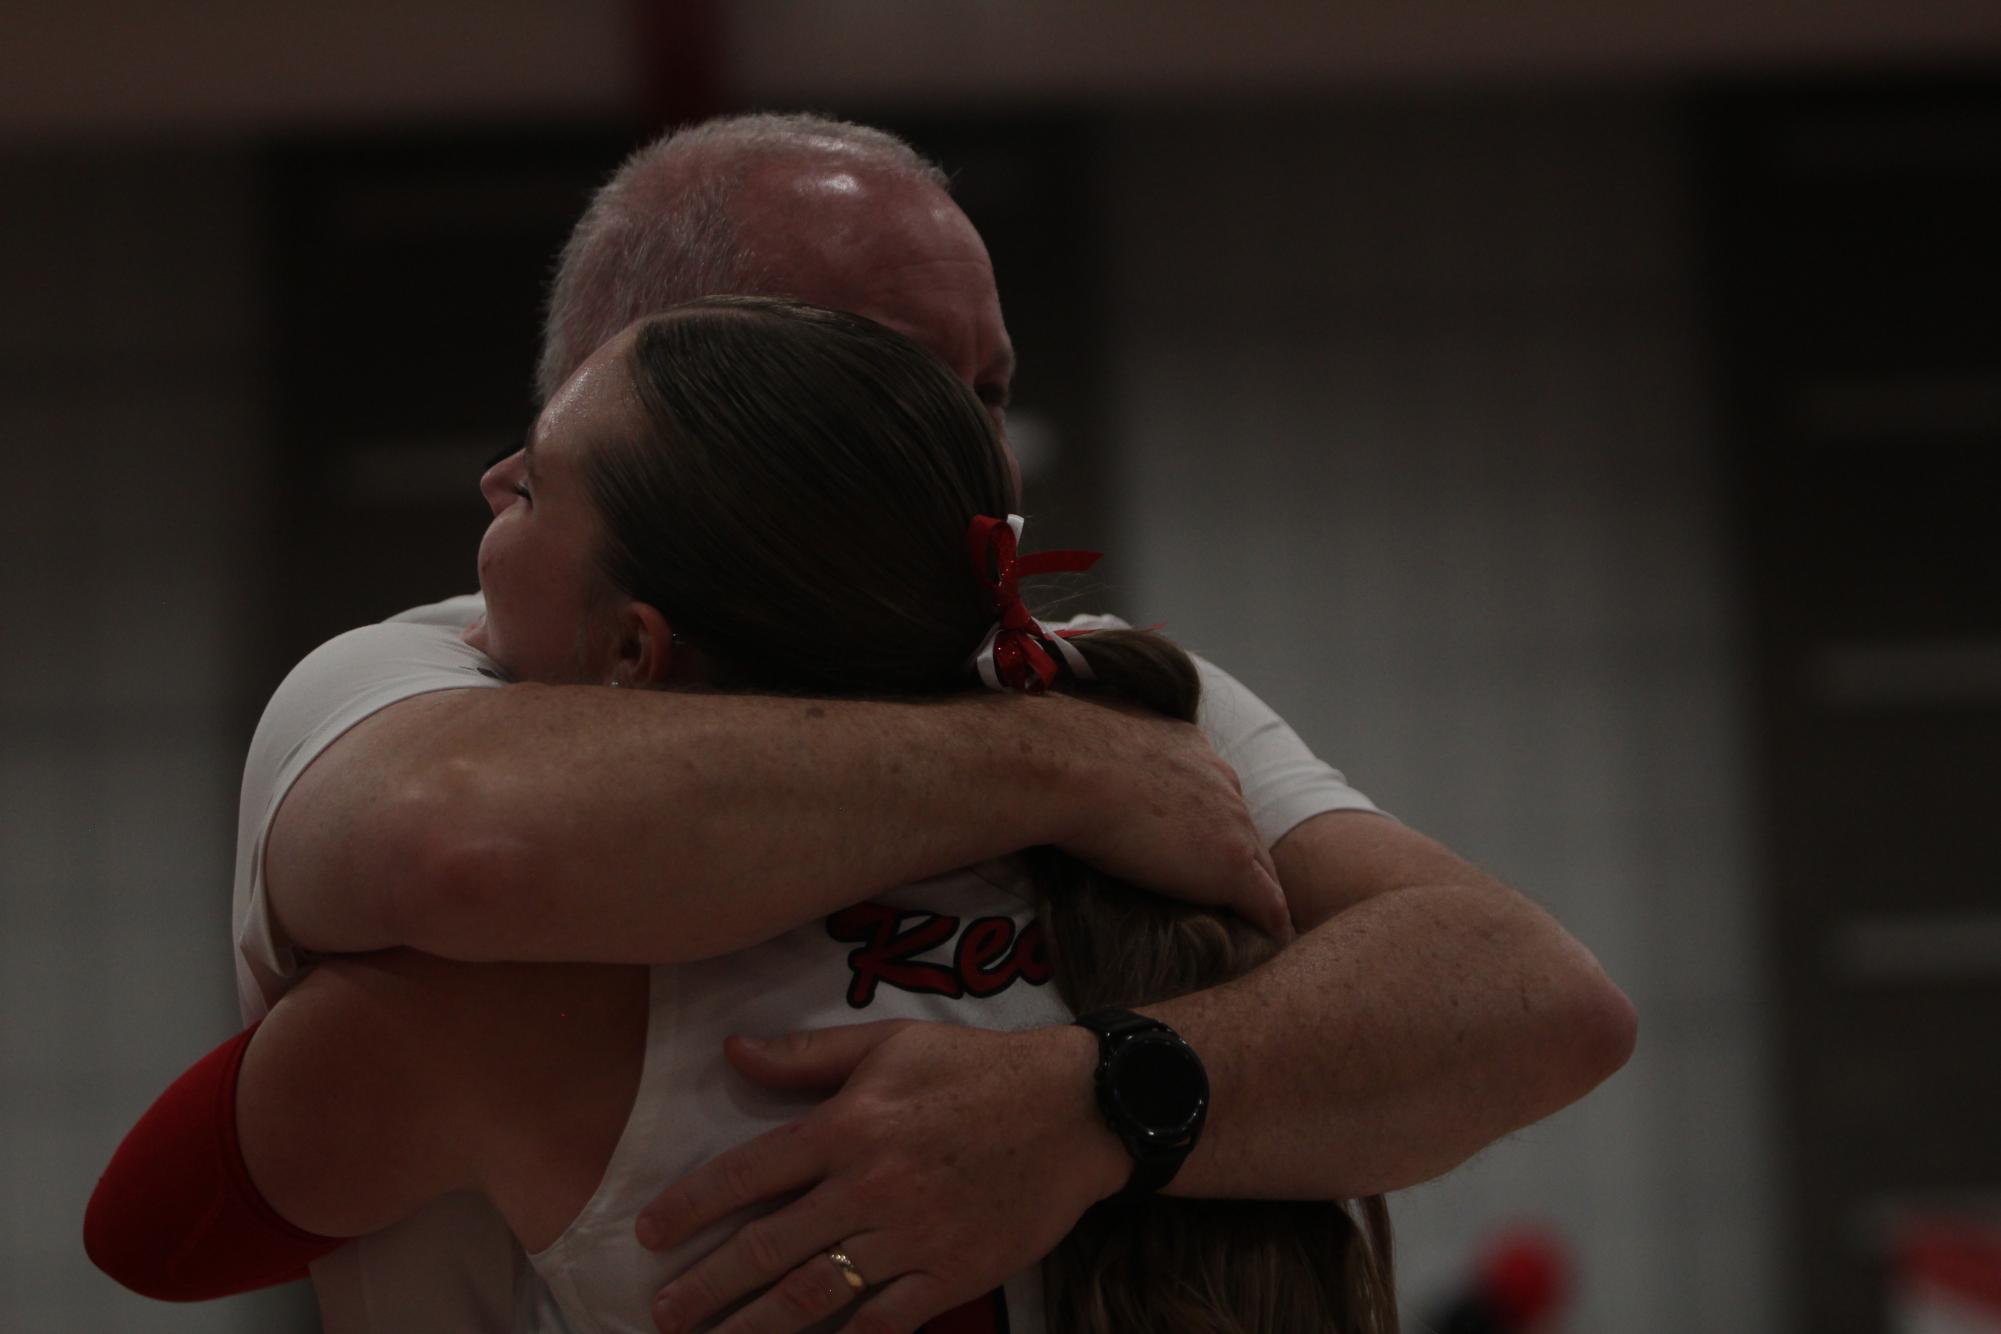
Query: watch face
{"x": 1159, "y": 1083}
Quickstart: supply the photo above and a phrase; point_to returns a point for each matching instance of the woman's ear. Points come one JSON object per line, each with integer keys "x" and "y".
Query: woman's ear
{"x": 646, "y": 650}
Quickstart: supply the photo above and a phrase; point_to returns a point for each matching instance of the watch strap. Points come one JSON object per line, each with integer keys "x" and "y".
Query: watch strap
{"x": 1154, "y": 1163}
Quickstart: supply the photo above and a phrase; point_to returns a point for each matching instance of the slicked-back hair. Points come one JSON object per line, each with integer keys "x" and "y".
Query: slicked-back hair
{"x": 666, "y": 228}
{"x": 797, "y": 506}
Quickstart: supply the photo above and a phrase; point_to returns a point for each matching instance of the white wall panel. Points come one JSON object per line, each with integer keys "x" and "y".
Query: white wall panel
{"x": 128, "y": 413}
{"x": 1413, "y": 436}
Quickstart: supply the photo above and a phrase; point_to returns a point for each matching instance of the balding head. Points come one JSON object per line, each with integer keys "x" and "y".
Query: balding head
{"x": 760, "y": 204}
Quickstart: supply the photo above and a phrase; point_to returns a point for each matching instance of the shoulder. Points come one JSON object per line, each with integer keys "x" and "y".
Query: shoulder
{"x": 384, "y": 1080}
{"x": 1284, "y": 782}
{"x": 420, "y": 1002}
{"x": 388, "y": 655}
{"x": 458, "y": 612}
{"x": 530, "y": 1069}
{"x": 401, "y": 1028}
{"x": 393, "y": 1014}
{"x": 352, "y": 676}
{"x": 343, "y": 682}
{"x": 339, "y": 685}
{"x": 1229, "y": 709}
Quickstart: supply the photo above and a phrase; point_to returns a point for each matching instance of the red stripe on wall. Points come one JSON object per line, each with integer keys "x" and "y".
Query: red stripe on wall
{"x": 682, "y": 52}
{"x": 983, "y": 1315}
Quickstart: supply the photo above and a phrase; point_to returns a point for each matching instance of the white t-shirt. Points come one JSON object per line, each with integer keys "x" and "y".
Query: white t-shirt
{"x": 454, "y": 1266}
{"x": 961, "y": 948}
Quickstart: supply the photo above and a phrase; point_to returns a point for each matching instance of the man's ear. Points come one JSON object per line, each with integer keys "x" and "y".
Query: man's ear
{"x": 646, "y": 649}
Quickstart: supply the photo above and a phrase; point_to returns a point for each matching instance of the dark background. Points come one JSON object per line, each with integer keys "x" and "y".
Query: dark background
{"x": 1579, "y": 423}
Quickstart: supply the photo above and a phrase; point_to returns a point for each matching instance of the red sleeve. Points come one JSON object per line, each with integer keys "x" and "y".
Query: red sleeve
{"x": 175, "y": 1216}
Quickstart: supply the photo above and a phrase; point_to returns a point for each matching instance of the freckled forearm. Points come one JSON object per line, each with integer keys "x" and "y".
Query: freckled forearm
{"x": 1392, "y": 1042}
{"x": 676, "y": 827}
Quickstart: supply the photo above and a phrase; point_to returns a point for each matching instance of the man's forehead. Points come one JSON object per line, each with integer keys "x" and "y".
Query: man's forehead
{"x": 843, "y": 218}
{"x": 889, "y": 246}
{"x": 826, "y": 183}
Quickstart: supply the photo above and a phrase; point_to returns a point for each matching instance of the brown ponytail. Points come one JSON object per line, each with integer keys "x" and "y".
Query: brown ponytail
{"x": 1168, "y": 1263}
{"x": 797, "y": 509}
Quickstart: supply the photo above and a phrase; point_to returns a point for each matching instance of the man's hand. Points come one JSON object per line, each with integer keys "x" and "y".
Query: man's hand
{"x": 901, "y": 1171}
{"x": 1169, "y": 816}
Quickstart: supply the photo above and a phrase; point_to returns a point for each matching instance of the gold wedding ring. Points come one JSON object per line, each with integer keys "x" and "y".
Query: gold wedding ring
{"x": 848, "y": 1270}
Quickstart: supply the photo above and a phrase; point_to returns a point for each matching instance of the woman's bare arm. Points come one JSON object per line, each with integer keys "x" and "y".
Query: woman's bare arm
{"x": 374, "y": 1087}
{"x": 382, "y": 1082}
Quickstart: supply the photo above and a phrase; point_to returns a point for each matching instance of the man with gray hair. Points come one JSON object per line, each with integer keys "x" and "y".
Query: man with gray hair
{"x": 703, "y": 211}
{"x": 1423, "y": 1011}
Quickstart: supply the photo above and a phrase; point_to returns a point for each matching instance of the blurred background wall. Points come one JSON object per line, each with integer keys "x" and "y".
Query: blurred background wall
{"x": 1570, "y": 416}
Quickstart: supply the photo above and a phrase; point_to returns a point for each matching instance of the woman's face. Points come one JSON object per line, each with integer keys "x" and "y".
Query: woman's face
{"x": 535, "y": 562}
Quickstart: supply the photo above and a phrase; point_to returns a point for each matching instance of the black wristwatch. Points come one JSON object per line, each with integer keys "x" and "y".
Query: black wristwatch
{"x": 1152, "y": 1091}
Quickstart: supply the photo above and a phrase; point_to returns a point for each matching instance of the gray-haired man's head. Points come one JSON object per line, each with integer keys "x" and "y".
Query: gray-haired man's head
{"x": 797, "y": 206}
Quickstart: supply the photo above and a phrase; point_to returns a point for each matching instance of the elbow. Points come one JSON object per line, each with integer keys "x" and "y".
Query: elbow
{"x": 451, "y": 867}
{"x": 1611, "y": 1028}
{"x": 1598, "y": 1029}
{"x": 1576, "y": 1027}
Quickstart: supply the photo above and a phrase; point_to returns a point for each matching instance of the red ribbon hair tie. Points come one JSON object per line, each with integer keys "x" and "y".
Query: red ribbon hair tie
{"x": 1015, "y": 655}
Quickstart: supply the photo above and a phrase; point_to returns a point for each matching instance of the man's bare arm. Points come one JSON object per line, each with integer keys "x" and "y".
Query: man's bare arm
{"x": 1425, "y": 1012}
{"x": 561, "y": 823}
